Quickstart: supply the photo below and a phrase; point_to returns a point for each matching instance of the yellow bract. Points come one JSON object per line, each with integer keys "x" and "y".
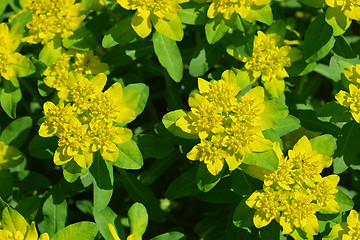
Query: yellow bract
{"x": 160, "y": 13}
{"x": 11, "y": 62}
{"x": 350, "y": 8}
{"x": 268, "y": 61}
{"x": 296, "y": 191}
{"x": 244, "y": 8}
{"x": 350, "y": 100}
{"x": 52, "y": 18}
{"x": 15, "y": 227}
{"x": 349, "y": 230}
{"x": 228, "y": 128}
{"x": 84, "y": 120}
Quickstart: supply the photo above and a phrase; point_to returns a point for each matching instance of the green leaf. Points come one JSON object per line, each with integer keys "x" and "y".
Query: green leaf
{"x": 55, "y": 212}
{"x": 243, "y": 215}
{"x": 82, "y": 39}
{"x": 333, "y": 112}
{"x": 343, "y": 48}
{"x": 286, "y": 125}
{"x": 204, "y": 58}
{"x": 272, "y": 232}
{"x": 319, "y": 40}
{"x": 221, "y": 193}
{"x": 138, "y": 220}
{"x": 336, "y": 18}
{"x": 51, "y": 51}
{"x": 13, "y": 221}
{"x": 72, "y": 171}
{"x": 123, "y": 55}
{"x": 169, "y": 56}
{"x": 267, "y": 160}
{"x": 153, "y": 147}
{"x": 138, "y": 94}
{"x": 193, "y": 13}
{"x": 29, "y": 181}
{"x": 300, "y": 68}
{"x": 243, "y": 184}
{"x": 105, "y": 217}
{"x": 3, "y": 5}
{"x": 347, "y": 147}
{"x": 323, "y": 144}
{"x": 77, "y": 231}
{"x": 184, "y": 185}
{"x": 345, "y": 203}
{"x": 102, "y": 175}
{"x": 215, "y": 29}
{"x": 169, "y": 121}
{"x": 43, "y": 148}
{"x": 314, "y": 3}
{"x": 22, "y": 19}
{"x": 170, "y": 236}
{"x": 6, "y": 185}
{"x": 129, "y": 156}
{"x": 10, "y": 95}
{"x": 121, "y": 32}
{"x": 28, "y": 207}
{"x": 335, "y": 70}
{"x": 205, "y": 180}
{"x": 274, "y": 111}
{"x": 16, "y": 133}
{"x": 260, "y": 13}
{"x": 140, "y": 193}
{"x": 170, "y": 26}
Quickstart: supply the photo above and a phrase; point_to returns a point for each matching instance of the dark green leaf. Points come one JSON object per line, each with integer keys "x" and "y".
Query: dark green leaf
{"x": 6, "y": 185}
{"x": 215, "y": 29}
{"x": 43, "y": 148}
{"x": 82, "y": 39}
{"x": 184, "y": 185}
{"x": 121, "y": 32}
{"x": 205, "y": 180}
{"x": 16, "y": 133}
{"x": 243, "y": 184}
{"x": 29, "y": 207}
{"x": 10, "y": 95}
{"x": 153, "y": 147}
{"x": 243, "y": 215}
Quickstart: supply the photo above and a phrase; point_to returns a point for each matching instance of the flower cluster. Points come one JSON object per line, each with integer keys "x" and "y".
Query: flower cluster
{"x": 268, "y": 61}
{"x": 14, "y": 226}
{"x": 296, "y": 191}
{"x": 83, "y": 62}
{"x": 160, "y": 13}
{"x": 85, "y": 120}
{"x": 245, "y": 8}
{"x": 51, "y": 19}
{"x": 228, "y": 127}
{"x": 351, "y": 99}
{"x": 12, "y": 63}
{"x": 349, "y": 230}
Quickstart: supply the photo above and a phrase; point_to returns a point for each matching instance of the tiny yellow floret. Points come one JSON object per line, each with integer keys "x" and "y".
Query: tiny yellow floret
{"x": 350, "y": 100}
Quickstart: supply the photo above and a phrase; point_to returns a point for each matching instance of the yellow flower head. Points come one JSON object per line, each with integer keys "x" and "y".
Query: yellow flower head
{"x": 83, "y": 62}
{"x": 229, "y": 128}
{"x": 9, "y": 156}
{"x": 297, "y": 190}
{"x": 15, "y": 227}
{"x": 350, "y": 8}
{"x": 85, "y": 120}
{"x": 350, "y": 100}
{"x": 160, "y": 13}
{"x": 228, "y": 7}
{"x": 52, "y": 18}
{"x": 11, "y": 62}
{"x": 352, "y": 73}
{"x": 349, "y": 230}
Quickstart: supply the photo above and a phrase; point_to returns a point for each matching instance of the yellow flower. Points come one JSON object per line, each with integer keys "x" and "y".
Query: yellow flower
{"x": 268, "y": 204}
{"x": 349, "y": 230}
{"x": 12, "y": 63}
{"x": 15, "y": 227}
{"x": 52, "y": 18}
{"x": 9, "y": 156}
{"x": 245, "y": 8}
{"x": 160, "y": 13}
{"x": 229, "y": 128}
{"x": 268, "y": 61}
{"x": 295, "y": 191}
{"x": 307, "y": 163}
{"x": 84, "y": 62}
{"x": 84, "y": 120}
{"x": 300, "y": 213}
{"x": 352, "y": 73}
{"x": 350, "y": 100}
